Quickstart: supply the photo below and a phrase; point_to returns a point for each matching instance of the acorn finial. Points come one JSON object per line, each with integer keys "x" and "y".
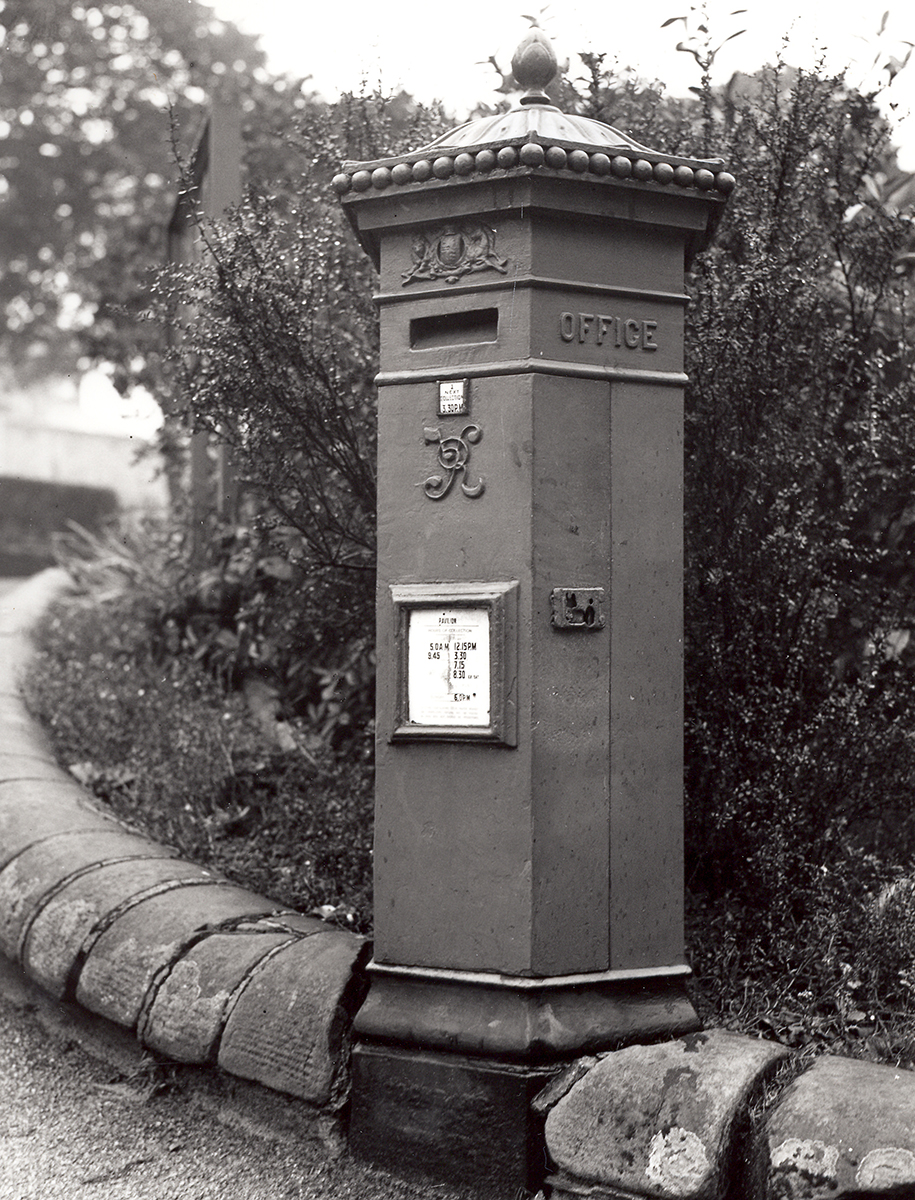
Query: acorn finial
{"x": 534, "y": 65}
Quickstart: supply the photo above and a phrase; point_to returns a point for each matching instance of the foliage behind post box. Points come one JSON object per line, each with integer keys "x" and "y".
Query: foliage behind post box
{"x": 279, "y": 358}
{"x": 800, "y": 461}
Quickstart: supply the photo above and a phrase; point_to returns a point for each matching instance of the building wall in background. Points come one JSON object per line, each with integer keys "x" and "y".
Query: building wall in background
{"x": 30, "y": 449}
{"x": 80, "y": 431}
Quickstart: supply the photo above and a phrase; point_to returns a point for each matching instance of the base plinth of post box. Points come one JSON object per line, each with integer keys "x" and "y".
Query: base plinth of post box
{"x": 448, "y": 1117}
{"x": 448, "y": 1062}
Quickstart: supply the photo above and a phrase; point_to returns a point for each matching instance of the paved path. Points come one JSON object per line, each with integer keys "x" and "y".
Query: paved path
{"x": 74, "y": 1126}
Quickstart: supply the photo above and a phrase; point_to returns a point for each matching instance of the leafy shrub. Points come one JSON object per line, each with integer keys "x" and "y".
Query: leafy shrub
{"x": 800, "y": 460}
{"x": 274, "y": 349}
{"x": 243, "y": 613}
{"x": 173, "y": 753}
{"x": 836, "y": 975}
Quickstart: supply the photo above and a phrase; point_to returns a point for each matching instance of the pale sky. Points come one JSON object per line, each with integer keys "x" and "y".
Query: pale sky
{"x": 433, "y": 50}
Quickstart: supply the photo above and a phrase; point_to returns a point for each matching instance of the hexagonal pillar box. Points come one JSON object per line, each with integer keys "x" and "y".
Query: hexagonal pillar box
{"x": 528, "y": 840}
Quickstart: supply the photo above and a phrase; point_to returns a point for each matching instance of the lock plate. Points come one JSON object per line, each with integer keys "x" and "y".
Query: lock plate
{"x": 578, "y": 608}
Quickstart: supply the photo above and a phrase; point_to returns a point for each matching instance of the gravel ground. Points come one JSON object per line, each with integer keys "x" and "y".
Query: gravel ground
{"x": 84, "y": 1116}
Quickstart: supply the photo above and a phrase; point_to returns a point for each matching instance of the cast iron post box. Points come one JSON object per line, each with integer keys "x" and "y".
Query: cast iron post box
{"x": 528, "y": 842}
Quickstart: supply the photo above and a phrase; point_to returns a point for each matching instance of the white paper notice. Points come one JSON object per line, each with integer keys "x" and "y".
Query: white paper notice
{"x": 452, "y": 398}
{"x": 448, "y": 666}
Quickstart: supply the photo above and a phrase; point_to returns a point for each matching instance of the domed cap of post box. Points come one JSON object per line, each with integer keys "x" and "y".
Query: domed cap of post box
{"x": 535, "y": 136}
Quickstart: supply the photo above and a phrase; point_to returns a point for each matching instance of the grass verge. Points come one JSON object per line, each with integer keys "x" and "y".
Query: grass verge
{"x": 174, "y": 754}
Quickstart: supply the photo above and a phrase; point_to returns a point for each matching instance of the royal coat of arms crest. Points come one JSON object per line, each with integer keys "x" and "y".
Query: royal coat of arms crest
{"x": 453, "y": 251}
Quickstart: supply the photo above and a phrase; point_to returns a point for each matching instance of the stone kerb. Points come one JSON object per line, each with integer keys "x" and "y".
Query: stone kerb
{"x": 844, "y": 1128}
{"x": 713, "y": 1116}
{"x": 659, "y": 1120}
{"x": 201, "y": 970}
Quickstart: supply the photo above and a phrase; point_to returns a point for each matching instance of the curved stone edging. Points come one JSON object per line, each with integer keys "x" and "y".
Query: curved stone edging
{"x": 202, "y": 971}
{"x": 675, "y": 1121}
